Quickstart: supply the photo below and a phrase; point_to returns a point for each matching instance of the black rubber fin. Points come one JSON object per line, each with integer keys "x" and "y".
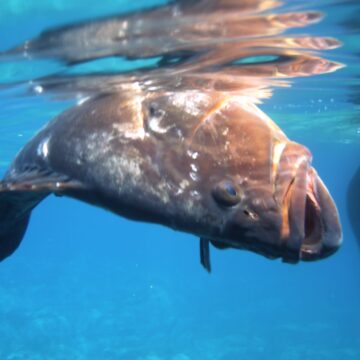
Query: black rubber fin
{"x": 205, "y": 254}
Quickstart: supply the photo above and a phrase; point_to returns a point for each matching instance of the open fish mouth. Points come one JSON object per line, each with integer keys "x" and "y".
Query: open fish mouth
{"x": 311, "y": 228}
{"x": 323, "y": 235}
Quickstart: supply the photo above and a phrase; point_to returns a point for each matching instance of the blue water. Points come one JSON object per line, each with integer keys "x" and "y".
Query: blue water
{"x": 86, "y": 284}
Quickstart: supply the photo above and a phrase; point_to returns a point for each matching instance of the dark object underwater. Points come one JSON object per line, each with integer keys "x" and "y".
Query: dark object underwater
{"x": 202, "y": 163}
{"x": 182, "y": 144}
{"x": 353, "y": 204}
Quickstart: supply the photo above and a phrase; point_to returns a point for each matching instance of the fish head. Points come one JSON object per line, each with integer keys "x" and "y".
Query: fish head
{"x": 310, "y": 226}
{"x": 256, "y": 189}
{"x": 289, "y": 214}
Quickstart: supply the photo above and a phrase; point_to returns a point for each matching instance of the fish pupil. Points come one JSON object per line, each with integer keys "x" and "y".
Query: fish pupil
{"x": 154, "y": 110}
{"x": 230, "y": 189}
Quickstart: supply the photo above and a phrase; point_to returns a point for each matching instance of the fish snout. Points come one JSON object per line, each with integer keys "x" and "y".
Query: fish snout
{"x": 312, "y": 228}
{"x": 323, "y": 234}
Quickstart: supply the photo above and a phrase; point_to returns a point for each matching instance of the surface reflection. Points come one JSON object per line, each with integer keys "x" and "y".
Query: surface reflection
{"x": 211, "y": 45}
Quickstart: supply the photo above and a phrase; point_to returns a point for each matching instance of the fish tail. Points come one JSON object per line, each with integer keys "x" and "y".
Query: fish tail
{"x": 15, "y": 210}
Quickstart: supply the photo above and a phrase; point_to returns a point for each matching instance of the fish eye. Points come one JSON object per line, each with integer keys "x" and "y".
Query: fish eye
{"x": 225, "y": 193}
{"x": 152, "y": 109}
{"x": 155, "y": 111}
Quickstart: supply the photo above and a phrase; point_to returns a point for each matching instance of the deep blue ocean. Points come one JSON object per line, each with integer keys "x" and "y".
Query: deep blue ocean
{"x": 87, "y": 284}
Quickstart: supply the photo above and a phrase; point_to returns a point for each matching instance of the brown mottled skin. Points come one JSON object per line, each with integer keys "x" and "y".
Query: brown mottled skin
{"x": 204, "y": 163}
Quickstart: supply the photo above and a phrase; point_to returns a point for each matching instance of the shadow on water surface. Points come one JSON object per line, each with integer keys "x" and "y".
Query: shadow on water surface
{"x": 111, "y": 289}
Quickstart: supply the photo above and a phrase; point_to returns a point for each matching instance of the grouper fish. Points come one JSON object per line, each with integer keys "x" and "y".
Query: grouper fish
{"x": 201, "y": 162}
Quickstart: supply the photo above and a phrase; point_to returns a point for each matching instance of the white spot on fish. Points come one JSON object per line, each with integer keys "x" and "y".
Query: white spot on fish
{"x": 123, "y": 29}
{"x": 191, "y": 102}
{"x": 43, "y": 148}
{"x": 194, "y": 167}
{"x": 195, "y": 194}
{"x": 194, "y": 176}
{"x": 155, "y": 123}
{"x": 179, "y": 134}
{"x": 193, "y": 154}
{"x": 127, "y": 131}
{"x": 82, "y": 100}
{"x": 133, "y": 129}
{"x": 179, "y": 191}
{"x": 184, "y": 184}
{"x": 257, "y": 201}
{"x": 276, "y": 156}
{"x": 299, "y": 161}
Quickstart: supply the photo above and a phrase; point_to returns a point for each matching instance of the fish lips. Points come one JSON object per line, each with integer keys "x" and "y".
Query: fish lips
{"x": 311, "y": 228}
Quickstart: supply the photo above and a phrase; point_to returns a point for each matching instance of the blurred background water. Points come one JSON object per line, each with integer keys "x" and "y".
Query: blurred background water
{"x": 86, "y": 284}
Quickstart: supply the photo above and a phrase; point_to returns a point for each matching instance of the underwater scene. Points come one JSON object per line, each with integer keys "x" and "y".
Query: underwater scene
{"x": 192, "y": 172}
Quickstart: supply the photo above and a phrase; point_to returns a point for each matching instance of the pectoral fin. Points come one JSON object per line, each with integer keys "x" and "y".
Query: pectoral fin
{"x": 205, "y": 254}
{"x": 219, "y": 245}
{"x": 18, "y": 196}
{"x": 39, "y": 181}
